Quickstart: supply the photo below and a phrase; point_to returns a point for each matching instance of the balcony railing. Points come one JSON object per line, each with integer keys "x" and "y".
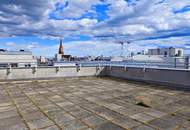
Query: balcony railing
{"x": 146, "y": 64}
{"x": 180, "y": 65}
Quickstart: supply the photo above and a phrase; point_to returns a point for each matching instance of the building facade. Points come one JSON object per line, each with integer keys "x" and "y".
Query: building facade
{"x": 167, "y": 52}
{"x": 17, "y": 59}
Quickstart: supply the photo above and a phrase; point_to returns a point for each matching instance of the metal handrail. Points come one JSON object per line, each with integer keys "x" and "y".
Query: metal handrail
{"x": 119, "y": 63}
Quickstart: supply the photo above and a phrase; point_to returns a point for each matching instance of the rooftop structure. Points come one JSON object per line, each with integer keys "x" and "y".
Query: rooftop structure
{"x": 20, "y": 58}
{"x": 92, "y": 104}
{"x": 167, "y": 52}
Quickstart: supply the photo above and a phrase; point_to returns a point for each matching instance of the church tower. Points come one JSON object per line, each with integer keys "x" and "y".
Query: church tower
{"x": 61, "y": 56}
{"x": 61, "y": 48}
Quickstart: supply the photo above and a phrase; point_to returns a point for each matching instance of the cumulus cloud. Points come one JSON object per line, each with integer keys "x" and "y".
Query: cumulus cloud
{"x": 32, "y": 45}
{"x": 94, "y": 48}
{"x": 74, "y": 8}
{"x": 125, "y": 17}
{"x": 133, "y": 20}
{"x": 10, "y": 44}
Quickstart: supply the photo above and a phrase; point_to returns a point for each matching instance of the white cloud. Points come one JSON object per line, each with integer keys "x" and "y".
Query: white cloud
{"x": 141, "y": 17}
{"x": 10, "y": 44}
{"x": 32, "y": 45}
{"x": 131, "y": 21}
{"x": 88, "y": 22}
{"x": 76, "y": 8}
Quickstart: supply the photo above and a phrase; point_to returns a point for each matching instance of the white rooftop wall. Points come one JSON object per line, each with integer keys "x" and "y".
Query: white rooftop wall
{"x": 20, "y": 58}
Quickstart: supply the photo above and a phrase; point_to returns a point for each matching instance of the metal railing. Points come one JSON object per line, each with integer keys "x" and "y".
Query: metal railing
{"x": 177, "y": 65}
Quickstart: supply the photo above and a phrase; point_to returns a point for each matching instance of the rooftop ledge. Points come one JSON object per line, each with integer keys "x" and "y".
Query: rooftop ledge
{"x": 164, "y": 76}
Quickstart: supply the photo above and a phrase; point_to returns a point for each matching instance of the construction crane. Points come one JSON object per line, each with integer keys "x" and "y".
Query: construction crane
{"x": 122, "y": 46}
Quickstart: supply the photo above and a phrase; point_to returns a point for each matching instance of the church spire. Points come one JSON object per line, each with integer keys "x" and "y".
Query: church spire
{"x": 61, "y": 49}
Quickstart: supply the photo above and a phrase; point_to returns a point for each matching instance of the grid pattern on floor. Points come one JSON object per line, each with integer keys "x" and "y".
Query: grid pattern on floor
{"x": 92, "y": 103}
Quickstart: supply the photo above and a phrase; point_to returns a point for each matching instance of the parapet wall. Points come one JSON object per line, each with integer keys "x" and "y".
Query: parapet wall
{"x": 48, "y": 72}
{"x": 172, "y": 77}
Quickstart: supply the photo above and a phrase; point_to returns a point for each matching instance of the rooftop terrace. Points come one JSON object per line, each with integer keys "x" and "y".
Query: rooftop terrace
{"x": 92, "y": 103}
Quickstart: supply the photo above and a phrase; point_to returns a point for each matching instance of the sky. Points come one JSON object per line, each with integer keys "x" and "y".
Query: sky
{"x": 94, "y": 27}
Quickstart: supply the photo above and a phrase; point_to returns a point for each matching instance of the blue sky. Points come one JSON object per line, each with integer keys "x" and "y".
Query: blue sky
{"x": 94, "y": 27}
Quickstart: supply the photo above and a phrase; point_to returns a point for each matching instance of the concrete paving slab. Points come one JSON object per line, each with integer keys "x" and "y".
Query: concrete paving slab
{"x": 62, "y": 118}
{"x": 33, "y": 116}
{"x": 143, "y": 127}
{"x": 8, "y": 114}
{"x": 126, "y": 122}
{"x": 11, "y": 121}
{"x": 155, "y": 113}
{"x": 94, "y": 121}
{"x": 164, "y": 125}
{"x": 142, "y": 117}
{"x": 51, "y": 128}
{"x": 40, "y": 123}
{"x": 18, "y": 126}
{"x": 75, "y": 125}
{"x": 109, "y": 126}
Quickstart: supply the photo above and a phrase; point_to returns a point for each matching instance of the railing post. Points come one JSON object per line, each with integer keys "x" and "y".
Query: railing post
{"x": 144, "y": 68}
{"x": 175, "y": 62}
{"x": 98, "y": 67}
{"x": 57, "y": 69}
{"x": 187, "y": 62}
{"x": 9, "y": 69}
{"x": 78, "y": 67}
{"x": 34, "y": 70}
{"x": 125, "y": 67}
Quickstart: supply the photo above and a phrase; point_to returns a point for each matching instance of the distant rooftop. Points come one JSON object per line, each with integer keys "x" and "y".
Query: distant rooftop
{"x": 21, "y": 52}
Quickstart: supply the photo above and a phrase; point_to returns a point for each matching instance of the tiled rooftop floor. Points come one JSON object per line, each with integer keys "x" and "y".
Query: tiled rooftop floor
{"x": 91, "y": 104}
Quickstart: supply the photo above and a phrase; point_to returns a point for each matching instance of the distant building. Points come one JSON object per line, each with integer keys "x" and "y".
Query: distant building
{"x": 167, "y": 52}
{"x": 20, "y": 58}
{"x": 42, "y": 59}
{"x": 102, "y": 58}
{"x": 83, "y": 58}
{"x": 61, "y": 56}
{"x": 117, "y": 58}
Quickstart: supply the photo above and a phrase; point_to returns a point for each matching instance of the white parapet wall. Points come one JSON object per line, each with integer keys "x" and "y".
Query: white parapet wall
{"x": 48, "y": 72}
{"x": 163, "y": 76}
